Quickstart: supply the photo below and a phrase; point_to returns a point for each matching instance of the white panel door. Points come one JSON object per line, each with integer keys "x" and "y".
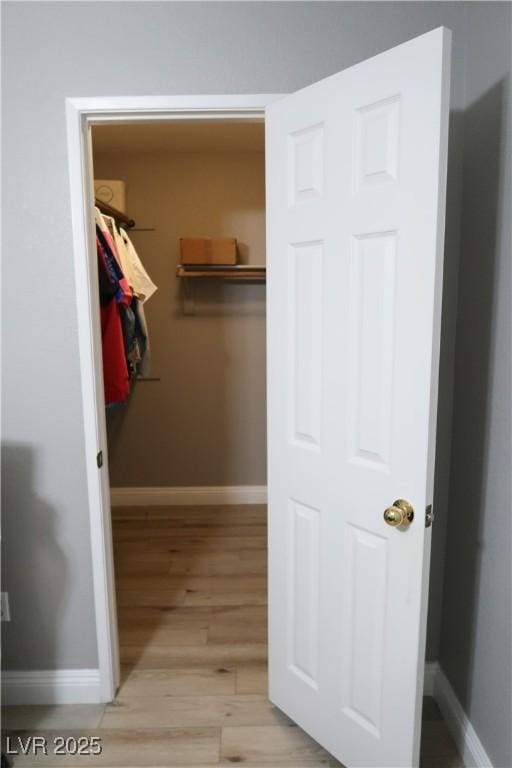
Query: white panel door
{"x": 356, "y": 168}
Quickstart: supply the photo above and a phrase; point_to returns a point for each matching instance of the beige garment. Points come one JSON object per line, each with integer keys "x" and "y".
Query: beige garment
{"x": 140, "y": 283}
{"x": 143, "y": 285}
{"x": 122, "y": 252}
{"x": 131, "y": 265}
{"x": 100, "y": 221}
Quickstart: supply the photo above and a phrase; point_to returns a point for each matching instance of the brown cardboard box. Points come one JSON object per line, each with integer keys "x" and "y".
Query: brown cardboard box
{"x": 204, "y": 250}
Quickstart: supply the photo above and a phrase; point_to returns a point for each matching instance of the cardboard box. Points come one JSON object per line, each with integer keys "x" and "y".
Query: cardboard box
{"x": 204, "y": 250}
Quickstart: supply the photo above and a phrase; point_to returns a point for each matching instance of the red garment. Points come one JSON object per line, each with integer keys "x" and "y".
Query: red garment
{"x": 115, "y": 371}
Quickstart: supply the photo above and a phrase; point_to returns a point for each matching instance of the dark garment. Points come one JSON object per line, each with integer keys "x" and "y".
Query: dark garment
{"x": 144, "y": 367}
{"x": 112, "y": 281}
{"x": 107, "y": 286}
{"x": 134, "y": 334}
{"x": 128, "y": 322}
{"x": 140, "y": 332}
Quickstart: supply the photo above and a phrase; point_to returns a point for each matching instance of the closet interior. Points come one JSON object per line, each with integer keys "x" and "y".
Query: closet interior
{"x": 180, "y": 215}
{"x": 195, "y": 412}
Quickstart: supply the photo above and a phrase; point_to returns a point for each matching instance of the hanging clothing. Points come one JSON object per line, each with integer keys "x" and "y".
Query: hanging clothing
{"x": 112, "y": 261}
{"x": 111, "y": 273}
{"x": 144, "y": 368}
{"x": 122, "y": 252}
{"x": 133, "y": 341}
{"x": 115, "y": 370}
{"x": 143, "y": 288}
{"x": 142, "y": 284}
{"x": 124, "y": 283}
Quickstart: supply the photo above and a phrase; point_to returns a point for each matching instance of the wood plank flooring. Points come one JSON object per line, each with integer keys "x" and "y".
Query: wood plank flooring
{"x": 191, "y": 589}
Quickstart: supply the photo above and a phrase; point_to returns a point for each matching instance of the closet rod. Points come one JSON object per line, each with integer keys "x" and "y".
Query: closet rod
{"x": 118, "y": 216}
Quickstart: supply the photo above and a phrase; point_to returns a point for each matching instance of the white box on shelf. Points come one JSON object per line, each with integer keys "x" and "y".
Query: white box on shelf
{"x": 111, "y": 191}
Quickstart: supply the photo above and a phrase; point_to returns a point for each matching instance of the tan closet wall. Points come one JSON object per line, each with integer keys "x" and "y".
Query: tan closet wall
{"x": 203, "y": 421}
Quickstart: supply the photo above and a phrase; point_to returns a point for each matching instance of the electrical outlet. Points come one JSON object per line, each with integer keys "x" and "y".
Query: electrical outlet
{"x": 5, "y": 612}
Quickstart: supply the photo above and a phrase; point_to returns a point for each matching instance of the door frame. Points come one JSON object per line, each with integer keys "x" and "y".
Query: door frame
{"x": 81, "y": 114}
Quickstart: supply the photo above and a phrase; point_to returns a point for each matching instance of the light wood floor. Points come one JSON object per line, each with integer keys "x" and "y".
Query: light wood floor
{"x": 191, "y": 588}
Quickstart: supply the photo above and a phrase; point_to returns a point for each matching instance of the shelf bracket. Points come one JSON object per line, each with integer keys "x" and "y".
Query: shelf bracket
{"x": 188, "y": 296}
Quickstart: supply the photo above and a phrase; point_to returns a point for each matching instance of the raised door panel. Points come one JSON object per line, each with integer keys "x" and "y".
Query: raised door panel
{"x": 305, "y": 276}
{"x": 303, "y": 586}
{"x": 364, "y": 586}
{"x": 372, "y": 319}
{"x": 305, "y": 164}
{"x": 376, "y": 140}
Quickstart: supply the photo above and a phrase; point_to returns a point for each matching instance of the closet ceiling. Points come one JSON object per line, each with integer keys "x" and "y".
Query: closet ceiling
{"x": 181, "y": 136}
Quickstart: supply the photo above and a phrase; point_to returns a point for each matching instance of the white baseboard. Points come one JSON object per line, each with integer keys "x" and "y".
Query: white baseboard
{"x": 461, "y": 729}
{"x": 53, "y": 686}
{"x": 82, "y": 686}
{"x": 177, "y": 496}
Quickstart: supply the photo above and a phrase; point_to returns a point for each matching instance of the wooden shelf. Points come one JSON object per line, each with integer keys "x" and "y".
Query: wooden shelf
{"x": 239, "y": 272}
{"x": 118, "y": 216}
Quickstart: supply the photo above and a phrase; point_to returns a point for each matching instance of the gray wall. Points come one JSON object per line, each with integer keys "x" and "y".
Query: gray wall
{"x": 53, "y": 50}
{"x": 476, "y": 642}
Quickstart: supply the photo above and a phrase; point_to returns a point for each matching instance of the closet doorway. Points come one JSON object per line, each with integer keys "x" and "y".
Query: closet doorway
{"x": 187, "y": 443}
{"x": 82, "y": 116}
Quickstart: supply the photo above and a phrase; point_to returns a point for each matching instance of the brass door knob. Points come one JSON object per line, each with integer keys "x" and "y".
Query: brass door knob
{"x": 400, "y": 514}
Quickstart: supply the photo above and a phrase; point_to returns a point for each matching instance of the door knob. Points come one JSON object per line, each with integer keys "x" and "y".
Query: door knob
{"x": 400, "y": 514}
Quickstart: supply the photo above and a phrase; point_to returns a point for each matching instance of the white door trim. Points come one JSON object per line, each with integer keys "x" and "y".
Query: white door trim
{"x": 80, "y": 114}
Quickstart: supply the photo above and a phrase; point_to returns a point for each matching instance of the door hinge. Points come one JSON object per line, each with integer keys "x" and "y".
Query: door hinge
{"x": 429, "y": 516}
{"x": 99, "y": 459}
